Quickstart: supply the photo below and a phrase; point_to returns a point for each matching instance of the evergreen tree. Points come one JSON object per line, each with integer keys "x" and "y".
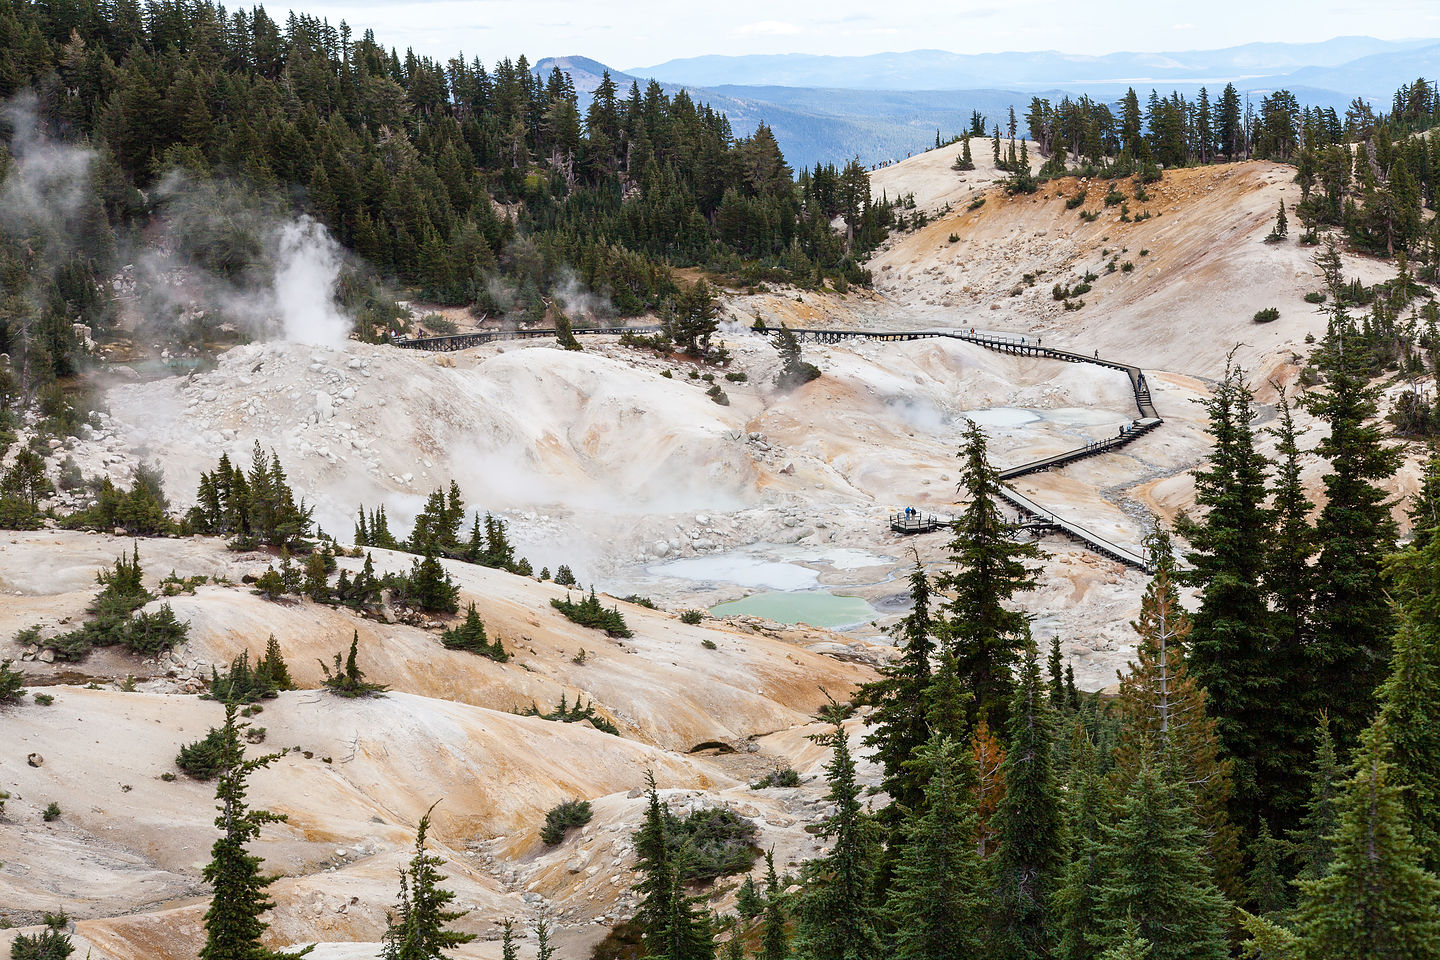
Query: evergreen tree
{"x": 418, "y": 927}
{"x": 671, "y": 924}
{"x": 52, "y": 943}
{"x": 1265, "y": 884}
{"x": 1311, "y": 845}
{"x": 836, "y": 913}
{"x": 1030, "y": 854}
{"x": 748, "y": 902}
{"x": 794, "y": 371}
{"x": 1230, "y": 643}
{"x": 1054, "y": 666}
{"x": 899, "y": 698}
{"x": 1424, "y": 512}
{"x": 1290, "y": 587}
{"x": 1165, "y": 715}
{"x": 1377, "y": 902}
{"x": 936, "y": 903}
{"x": 774, "y": 940}
{"x": 1155, "y": 873}
{"x": 1410, "y": 708}
{"x": 508, "y": 948}
{"x": 233, "y": 927}
{"x": 1355, "y": 530}
{"x": 1082, "y": 934}
{"x": 980, "y": 631}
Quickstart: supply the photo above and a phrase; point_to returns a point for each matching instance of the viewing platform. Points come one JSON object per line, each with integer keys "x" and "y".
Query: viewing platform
{"x": 917, "y": 522}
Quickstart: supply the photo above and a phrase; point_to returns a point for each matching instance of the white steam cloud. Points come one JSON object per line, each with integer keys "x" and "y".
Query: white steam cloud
{"x": 307, "y": 267}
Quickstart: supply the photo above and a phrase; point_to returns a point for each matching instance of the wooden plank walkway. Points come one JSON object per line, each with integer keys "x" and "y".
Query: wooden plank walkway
{"x": 1015, "y": 344}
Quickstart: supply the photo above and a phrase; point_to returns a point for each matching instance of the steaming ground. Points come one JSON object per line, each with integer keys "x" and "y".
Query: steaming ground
{"x": 602, "y": 462}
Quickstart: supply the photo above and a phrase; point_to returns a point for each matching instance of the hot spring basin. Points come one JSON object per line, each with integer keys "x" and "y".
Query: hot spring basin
{"x": 816, "y": 608}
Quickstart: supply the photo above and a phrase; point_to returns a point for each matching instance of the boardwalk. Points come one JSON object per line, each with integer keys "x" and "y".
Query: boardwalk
{"x": 1025, "y": 346}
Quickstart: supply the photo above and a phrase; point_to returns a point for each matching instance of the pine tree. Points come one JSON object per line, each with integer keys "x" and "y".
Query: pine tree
{"x": 1230, "y": 643}
{"x": 1290, "y": 588}
{"x": 1054, "y": 666}
{"x": 1424, "y": 512}
{"x": 980, "y": 630}
{"x": 1410, "y": 707}
{"x": 1165, "y": 717}
{"x": 508, "y": 948}
{"x": 1377, "y": 902}
{"x": 836, "y": 914}
{"x": 1311, "y": 844}
{"x": 1078, "y": 917}
{"x": 936, "y": 901}
{"x": 1155, "y": 873}
{"x": 1030, "y": 851}
{"x": 670, "y": 922}
{"x": 748, "y": 903}
{"x": 233, "y": 927}
{"x": 774, "y": 941}
{"x": 1265, "y": 886}
{"x": 544, "y": 949}
{"x": 794, "y": 371}
{"x": 1130, "y": 946}
{"x": 52, "y": 943}
{"x": 1355, "y": 529}
{"x": 899, "y": 698}
{"x": 418, "y": 927}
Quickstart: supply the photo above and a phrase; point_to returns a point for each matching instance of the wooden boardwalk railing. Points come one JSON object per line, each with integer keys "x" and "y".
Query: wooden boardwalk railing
{"x": 1025, "y": 346}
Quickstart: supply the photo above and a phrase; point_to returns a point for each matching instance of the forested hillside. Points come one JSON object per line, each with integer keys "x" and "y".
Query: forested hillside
{"x": 439, "y": 177}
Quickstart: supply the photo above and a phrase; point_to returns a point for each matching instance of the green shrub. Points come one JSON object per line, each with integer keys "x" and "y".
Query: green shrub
{"x": 563, "y": 576}
{"x": 571, "y": 813}
{"x": 348, "y": 681}
{"x": 779, "y": 778}
{"x": 976, "y": 204}
{"x": 1127, "y": 267}
{"x": 1268, "y": 315}
{"x": 565, "y": 713}
{"x": 50, "y": 944}
{"x": 738, "y": 376}
{"x": 639, "y": 601}
{"x": 1077, "y": 200}
{"x": 44, "y": 699}
{"x": 470, "y": 636}
{"x": 691, "y": 617}
{"x": 718, "y": 395}
{"x": 1114, "y": 197}
{"x": 708, "y": 644}
{"x": 12, "y": 683}
{"x": 589, "y": 613}
{"x": 953, "y": 238}
{"x": 1315, "y": 296}
{"x": 205, "y": 758}
{"x": 709, "y": 843}
{"x": 1089, "y": 216}
{"x": 52, "y": 812}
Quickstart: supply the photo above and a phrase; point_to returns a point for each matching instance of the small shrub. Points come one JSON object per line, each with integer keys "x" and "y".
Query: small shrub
{"x": 691, "y": 617}
{"x": 52, "y": 943}
{"x": 1114, "y": 197}
{"x": 1145, "y": 252}
{"x": 1074, "y": 304}
{"x": 737, "y": 376}
{"x": 718, "y": 395}
{"x": 667, "y": 374}
{"x": 255, "y": 735}
{"x": 639, "y": 601}
{"x": 1315, "y": 296}
{"x": 52, "y": 812}
{"x": 1268, "y": 315}
{"x": 1127, "y": 267}
{"x": 470, "y": 636}
{"x": 589, "y": 613}
{"x": 779, "y": 778}
{"x": 708, "y": 644}
{"x": 694, "y": 374}
{"x": 976, "y": 204}
{"x": 1089, "y": 216}
{"x": 12, "y": 683}
{"x": 953, "y": 238}
{"x": 571, "y": 813}
{"x": 565, "y": 713}
{"x": 580, "y": 658}
{"x": 44, "y": 699}
{"x": 205, "y": 758}
{"x": 1077, "y": 200}
{"x": 348, "y": 681}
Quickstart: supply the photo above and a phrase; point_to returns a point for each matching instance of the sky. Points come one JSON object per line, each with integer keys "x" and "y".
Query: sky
{"x": 626, "y": 34}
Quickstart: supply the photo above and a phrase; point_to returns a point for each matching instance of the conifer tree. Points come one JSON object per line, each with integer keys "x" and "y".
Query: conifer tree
{"x": 1155, "y": 873}
{"x": 1081, "y": 932}
{"x": 1265, "y": 886}
{"x": 1424, "y": 512}
{"x": 836, "y": 913}
{"x": 1410, "y": 707}
{"x": 1030, "y": 850}
{"x": 671, "y": 924}
{"x": 1290, "y": 588}
{"x": 899, "y": 698}
{"x": 233, "y": 927}
{"x": 936, "y": 903}
{"x": 508, "y": 948}
{"x": 1054, "y": 666}
{"x": 418, "y": 929}
{"x": 748, "y": 902}
{"x": 774, "y": 940}
{"x": 1355, "y": 530}
{"x": 1377, "y": 902}
{"x": 1165, "y": 716}
{"x": 1229, "y": 646}
{"x": 1311, "y": 846}
{"x": 983, "y": 634}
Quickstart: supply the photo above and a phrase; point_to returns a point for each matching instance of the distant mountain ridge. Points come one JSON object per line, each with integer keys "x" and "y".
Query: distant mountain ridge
{"x": 885, "y": 106}
{"x": 943, "y": 70}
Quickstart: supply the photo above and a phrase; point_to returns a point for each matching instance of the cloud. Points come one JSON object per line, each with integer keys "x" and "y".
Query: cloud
{"x": 1182, "y": 26}
{"x": 768, "y": 28}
